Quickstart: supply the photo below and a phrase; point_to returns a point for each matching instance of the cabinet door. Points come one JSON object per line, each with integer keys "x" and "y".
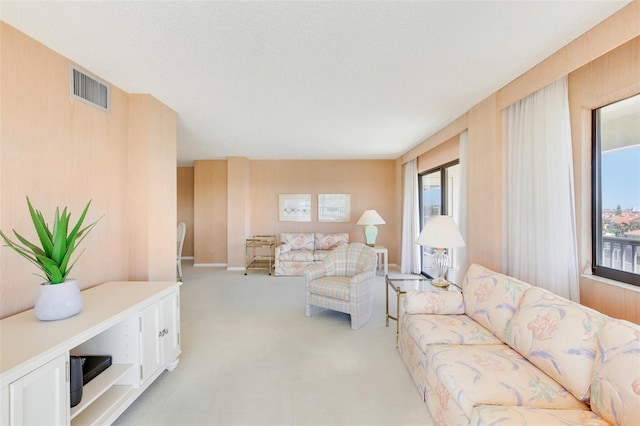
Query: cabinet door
{"x": 170, "y": 328}
{"x": 160, "y": 328}
{"x": 151, "y": 341}
{"x": 42, "y": 396}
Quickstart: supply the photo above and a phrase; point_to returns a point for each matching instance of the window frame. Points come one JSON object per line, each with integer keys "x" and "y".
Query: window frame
{"x": 596, "y": 208}
{"x": 444, "y": 191}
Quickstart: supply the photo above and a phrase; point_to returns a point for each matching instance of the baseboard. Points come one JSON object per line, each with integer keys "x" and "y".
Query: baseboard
{"x": 186, "y": 257}
{"x": 209, "y": 265}
{"x": 236, "y": 268}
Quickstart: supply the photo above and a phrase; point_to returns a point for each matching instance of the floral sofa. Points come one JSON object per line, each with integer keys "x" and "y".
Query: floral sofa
{"x": 505, "y": 352}
{"x": 299, "y": 250}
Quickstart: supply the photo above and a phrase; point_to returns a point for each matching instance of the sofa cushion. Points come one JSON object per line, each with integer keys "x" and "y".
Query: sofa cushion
{"x": 301, "y": 255}
{"x": 428, "y": 330}
{"x": 298, "y": 241}
{"x": 285, "y": 268}
{"x": 330, "y": 241}
{"x": 485, "y": 415}
{"x": 319, "y": 255}
{"x": 615, "y": 391}
{"x": 284, "y": 248}
{"x": 434, "y": 302}
{"x": 558, "y": 336}
{"x": 335, "y": 287}
{"x": 470, "y": 375}
{"x": 491, "y": 298}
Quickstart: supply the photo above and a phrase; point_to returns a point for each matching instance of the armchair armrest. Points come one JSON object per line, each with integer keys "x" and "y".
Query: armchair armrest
{"x": 363, "y": 276}
{"x": 314, "y": 272}
{"x": 434, "y": 302}
{"x": 361, "y": 284}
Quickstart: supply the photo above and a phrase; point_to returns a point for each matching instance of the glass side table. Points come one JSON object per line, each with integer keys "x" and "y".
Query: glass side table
{"x": 402, "y": 285}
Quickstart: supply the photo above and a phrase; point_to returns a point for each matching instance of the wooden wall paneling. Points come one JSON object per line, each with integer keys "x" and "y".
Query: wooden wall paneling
{"x": 161, "y": 187}
{"x": 138, "y": 197}
{"x": 210, "y": 212}
{"x": 152, "y": 189}
{"x": 608, "y": 299}
{"x": 484, "y": 216}
{"x": 100, "y": 142}
{"x": 631, "y": 305}
{"x": 444, "y": 153}
{"x": 238, "y": 204}
{"x": 454, "y": 128}
{"x": 395, "y": 247}
{"x": 185, "y": 199}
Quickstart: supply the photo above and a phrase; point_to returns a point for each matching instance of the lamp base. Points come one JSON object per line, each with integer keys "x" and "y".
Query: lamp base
{"x": 440, "y": 264}
{"x": 370, "y": 234}
{"x": 441, "y": 284}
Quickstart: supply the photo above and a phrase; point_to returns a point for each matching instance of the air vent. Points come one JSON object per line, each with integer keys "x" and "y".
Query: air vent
{"x": 89, "y": 89}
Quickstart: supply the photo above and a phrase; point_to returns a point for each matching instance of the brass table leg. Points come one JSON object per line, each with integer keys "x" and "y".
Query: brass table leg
{"x": 397, "y": 315}
{"x": 386, "y": 284}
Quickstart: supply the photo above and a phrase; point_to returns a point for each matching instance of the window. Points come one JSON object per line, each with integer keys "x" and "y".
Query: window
{"x": 616, "y": 191}
{"x": 439, "y": 191}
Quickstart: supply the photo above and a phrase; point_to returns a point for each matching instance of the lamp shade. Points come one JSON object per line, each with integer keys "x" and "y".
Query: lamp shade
{"x": 440, "y": 232}
{"x": 370, "y": 217}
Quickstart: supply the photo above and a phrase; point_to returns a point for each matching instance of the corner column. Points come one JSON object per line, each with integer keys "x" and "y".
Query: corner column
{"x": 237, "y": 211}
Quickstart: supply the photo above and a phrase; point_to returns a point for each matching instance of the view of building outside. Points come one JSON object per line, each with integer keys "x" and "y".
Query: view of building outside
{"x": 619, "y": 136}
{"x": 431, "y": 195}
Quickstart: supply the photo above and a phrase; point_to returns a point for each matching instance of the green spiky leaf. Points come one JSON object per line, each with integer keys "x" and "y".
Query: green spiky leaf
{"x": 60, "y": 236}
{"x": 53, "y": 256}
{"x": 41, "y": 229}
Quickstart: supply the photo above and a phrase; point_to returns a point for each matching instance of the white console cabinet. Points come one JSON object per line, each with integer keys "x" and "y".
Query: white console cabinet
{"x": 136, "y": 323}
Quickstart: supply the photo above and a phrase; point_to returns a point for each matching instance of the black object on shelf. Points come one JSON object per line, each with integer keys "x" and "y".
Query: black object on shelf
{"x": 94, "y": 365}
{"x": 75, "y": 380}
{"x": 83, "y": 369}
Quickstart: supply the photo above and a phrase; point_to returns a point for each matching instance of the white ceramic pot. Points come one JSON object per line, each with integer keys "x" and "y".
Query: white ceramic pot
{"x": 58, "y": 301}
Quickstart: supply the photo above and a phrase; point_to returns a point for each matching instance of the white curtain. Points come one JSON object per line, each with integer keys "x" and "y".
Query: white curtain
{"x": 459, "y": 267}
{"x": 410, "y": 260}
{"x": 539, "y": 232}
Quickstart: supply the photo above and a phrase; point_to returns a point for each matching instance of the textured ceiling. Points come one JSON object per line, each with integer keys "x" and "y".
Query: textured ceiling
{"x": 307, "y": 80}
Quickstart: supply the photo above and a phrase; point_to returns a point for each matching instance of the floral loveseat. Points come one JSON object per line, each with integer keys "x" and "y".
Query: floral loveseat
{"x": 505, "y": 352}
{"x": 299, "y": 250}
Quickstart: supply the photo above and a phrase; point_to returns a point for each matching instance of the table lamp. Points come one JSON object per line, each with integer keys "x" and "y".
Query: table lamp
{"x": 370, "y": 218}
{"x": 440, "y": 233}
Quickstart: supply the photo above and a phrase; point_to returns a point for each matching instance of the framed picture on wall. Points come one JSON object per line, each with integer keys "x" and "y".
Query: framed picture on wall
{"x": 294, "y": 208}
{"x": 334, "y": 207}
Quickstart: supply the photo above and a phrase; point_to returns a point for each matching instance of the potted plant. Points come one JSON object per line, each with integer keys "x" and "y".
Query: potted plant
{"x": 59, "y": 296}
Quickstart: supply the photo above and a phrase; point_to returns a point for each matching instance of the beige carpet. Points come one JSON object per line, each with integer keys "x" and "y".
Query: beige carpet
{"x": 251, "y": 357}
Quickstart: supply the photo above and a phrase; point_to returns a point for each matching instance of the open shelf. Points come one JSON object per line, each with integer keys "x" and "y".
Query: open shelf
{"x": 101, "y": 394}
{"x": 97, "y": 412}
